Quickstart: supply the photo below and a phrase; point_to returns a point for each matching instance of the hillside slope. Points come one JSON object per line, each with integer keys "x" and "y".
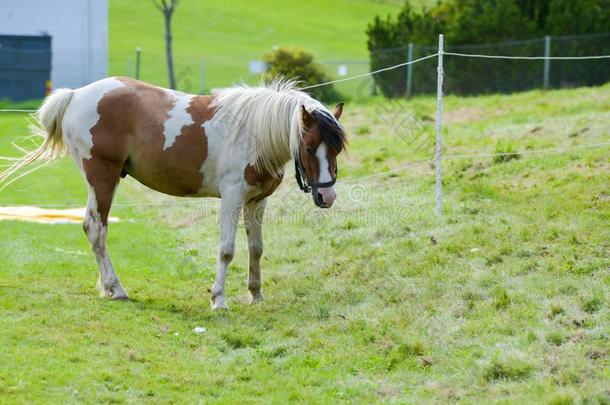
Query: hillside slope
{"x": 230, "y": 34}
{"x": 503, "y": 300}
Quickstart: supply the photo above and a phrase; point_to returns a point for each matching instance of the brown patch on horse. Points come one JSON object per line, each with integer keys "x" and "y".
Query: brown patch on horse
{"x": 311, "y": 141}
{"x": 267, "y": 183}
{"x": 109, "y": 150}
{"x": 320, "y": 127}
{"x": 103, "y": 177}
{"x": 131, "y": 131}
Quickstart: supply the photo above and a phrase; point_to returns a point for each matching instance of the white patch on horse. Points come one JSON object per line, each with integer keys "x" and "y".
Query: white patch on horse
{"x": 324, "y": 167}
{"x": 214, "y": 134}
{"x": 328, "y": 193}
{"x": 179, "y": 117}
{"x": 82, "y": 115}
{"x": 269, "y": 118}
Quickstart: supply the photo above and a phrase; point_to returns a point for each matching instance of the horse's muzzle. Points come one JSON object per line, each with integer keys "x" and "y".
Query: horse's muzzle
{"x": 318, "y": 199}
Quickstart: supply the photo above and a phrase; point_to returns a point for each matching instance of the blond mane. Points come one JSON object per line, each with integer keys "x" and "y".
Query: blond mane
{"x": 268, "y": 118}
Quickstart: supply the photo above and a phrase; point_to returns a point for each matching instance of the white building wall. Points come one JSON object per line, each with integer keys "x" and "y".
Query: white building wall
{"x": 79, "y": 31}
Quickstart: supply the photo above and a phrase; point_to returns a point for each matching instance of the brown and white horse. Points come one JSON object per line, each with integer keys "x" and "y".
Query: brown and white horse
{"x": 233, "y": 145}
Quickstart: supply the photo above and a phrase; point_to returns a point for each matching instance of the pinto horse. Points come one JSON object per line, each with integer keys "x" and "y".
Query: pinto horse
{"x": 234, "y": 145}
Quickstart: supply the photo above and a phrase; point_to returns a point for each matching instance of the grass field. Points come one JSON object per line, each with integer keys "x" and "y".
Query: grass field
{"x": 215, "y": 31}
{"x": 503, "y": 300}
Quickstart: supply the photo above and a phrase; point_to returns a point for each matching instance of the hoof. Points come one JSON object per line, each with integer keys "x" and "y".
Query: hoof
{"x": 219, "y": 302}
{"x": 220, "y": 306}
{"x": 120, "y": 296}
{"x": 114, "y": 292}
{"x": 257, "y": 298}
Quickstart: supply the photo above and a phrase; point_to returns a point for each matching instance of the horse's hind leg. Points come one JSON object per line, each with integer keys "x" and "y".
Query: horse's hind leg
{"x": 103, "y": 177}
{"x": 253, "y": 221}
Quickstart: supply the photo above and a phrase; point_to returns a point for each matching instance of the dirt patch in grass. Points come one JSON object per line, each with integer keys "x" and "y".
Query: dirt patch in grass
{"x": 464, "y": 115}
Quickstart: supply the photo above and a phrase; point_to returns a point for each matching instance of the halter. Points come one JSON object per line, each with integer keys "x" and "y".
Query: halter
{"x": 304, "y": 184}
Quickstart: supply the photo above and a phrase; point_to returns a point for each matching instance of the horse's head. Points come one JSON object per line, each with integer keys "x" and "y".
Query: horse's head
{"x": 316, "y": 163}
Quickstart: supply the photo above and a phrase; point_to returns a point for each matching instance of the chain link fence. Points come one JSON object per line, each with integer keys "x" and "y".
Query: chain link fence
{"x": 480, "y": 76}
{"x": 466, "y": 76}
{"x": 463, "y": 76}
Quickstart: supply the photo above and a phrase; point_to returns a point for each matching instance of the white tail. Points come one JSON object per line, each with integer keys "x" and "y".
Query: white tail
{"x": 47, "y": 124}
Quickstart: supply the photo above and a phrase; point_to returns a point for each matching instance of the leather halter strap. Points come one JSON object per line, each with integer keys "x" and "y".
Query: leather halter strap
{"x": 302, "y": 180}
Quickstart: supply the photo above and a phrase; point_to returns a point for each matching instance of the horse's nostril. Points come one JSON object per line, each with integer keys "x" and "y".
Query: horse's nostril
{"x": 320, "y": 198}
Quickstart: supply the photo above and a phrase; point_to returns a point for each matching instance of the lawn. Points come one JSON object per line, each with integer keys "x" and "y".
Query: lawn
{"x": 503, "y": 299}
{"x": 215, "y": 31}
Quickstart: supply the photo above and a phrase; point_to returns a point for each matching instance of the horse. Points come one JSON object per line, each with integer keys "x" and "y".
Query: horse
{"x": 233, "y": 144}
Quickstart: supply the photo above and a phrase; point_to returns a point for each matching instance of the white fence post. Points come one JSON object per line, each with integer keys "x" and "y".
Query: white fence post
{"x": 547, "y": 61}
{"x": 439, "y": 127}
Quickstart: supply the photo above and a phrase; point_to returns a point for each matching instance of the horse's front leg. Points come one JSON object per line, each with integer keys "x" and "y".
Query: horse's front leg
{"x": 230, "y": 209}
{"x": 253, "y": 221}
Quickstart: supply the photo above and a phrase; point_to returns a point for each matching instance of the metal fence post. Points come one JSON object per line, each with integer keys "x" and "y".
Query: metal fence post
{"x": 547, "y": 61}
{"x": 202, "y": 90}
{"x": 138, "y": 54}
{"x": 409, "y": 68}
{"x": 439, "y": 127}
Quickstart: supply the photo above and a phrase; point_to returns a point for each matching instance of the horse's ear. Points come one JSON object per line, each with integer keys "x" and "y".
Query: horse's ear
{"x": 308, "y": 119}
{"x": 338, "y": 111}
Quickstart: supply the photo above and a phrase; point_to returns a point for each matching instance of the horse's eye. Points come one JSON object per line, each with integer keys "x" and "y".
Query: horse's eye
{"x": 310, "y": 150}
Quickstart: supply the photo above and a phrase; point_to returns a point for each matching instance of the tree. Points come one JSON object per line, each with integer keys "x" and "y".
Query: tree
{"x": 167, "y": 8}
{"x": 388, "y": 38}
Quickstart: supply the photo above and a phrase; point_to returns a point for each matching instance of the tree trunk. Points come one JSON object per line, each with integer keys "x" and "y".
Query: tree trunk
{"x": 168, "y": 49}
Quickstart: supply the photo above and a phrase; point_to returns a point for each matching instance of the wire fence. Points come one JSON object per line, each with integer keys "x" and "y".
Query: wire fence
{"x": 442, "y": 75}
{"x": 347, "y": 181}
{"x": 392, "y": 71}
{"x": 528, "y": 69}
{"x": 527, "y": 66}
{"x": 369, "y": 84}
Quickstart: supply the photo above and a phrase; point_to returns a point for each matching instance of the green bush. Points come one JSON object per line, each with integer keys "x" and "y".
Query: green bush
{"x": 578, "y": 17}
{"x": 385, "y": 34}
{"x": 492, "y": 22}
{"x": 297, "y": 63}
{"x": 488, "y": 21}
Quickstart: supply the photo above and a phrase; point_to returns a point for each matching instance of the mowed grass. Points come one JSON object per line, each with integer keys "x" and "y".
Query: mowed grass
{"x": 215, "y": 31}
{"x": 504, "y": 299}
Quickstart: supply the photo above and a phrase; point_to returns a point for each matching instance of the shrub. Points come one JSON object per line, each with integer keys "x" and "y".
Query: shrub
{"x": 578, "y": 17}
{"x": 490, "y": 22}
{"x": 476, "y": 21}
{"x": 297, "y": 63}
{"x": 385, "y": 34}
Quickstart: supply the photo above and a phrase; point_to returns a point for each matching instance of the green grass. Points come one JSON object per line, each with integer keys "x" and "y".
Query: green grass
{"x": 216, "y": 31}
{"x": 503, "y": 300}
